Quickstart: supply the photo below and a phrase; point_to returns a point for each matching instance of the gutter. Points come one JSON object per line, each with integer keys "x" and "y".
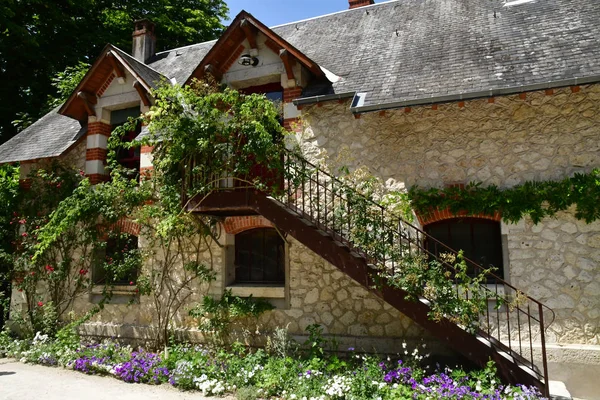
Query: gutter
{"x": 358, "y": 109}
{"x": 326, "y": 97}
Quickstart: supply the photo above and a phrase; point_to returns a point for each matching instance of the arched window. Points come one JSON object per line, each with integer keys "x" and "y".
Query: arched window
{"x": 259, "y": 257}
{"x": 479, "y": 238}
{"x": 121, "y": 249}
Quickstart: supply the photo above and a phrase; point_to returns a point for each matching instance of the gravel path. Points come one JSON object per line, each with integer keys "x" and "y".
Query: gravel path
{"x": 20, "y": 381}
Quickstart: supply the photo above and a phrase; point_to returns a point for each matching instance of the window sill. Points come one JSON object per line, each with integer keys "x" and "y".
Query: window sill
{"x": 123, "y": 290}
{"x": 263, "y": 292}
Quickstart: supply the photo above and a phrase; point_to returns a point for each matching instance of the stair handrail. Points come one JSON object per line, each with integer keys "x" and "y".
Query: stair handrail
{"x": 293, "y": 158}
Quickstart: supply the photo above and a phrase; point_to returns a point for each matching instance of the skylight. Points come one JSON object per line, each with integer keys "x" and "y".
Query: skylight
{"x": 517, "y": 2}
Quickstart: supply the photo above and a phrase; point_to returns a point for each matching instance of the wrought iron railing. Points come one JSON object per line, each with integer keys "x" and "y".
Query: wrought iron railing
{"x": 511, "y": 321}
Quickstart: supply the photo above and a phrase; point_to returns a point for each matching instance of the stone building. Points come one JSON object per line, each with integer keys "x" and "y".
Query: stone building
{"x": 430, "y": 92}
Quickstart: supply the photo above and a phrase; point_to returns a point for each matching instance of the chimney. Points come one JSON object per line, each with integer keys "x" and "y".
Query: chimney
{"x": 360, "y": 3}
{"x": 144, "y": 41}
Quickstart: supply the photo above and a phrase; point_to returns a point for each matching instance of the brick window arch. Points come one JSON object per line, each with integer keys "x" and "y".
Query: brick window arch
{"x": 259, "y": 257}
{"x": 479, "y": 238}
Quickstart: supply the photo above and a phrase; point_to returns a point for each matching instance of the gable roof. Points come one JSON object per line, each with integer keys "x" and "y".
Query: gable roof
{"x": 100, "y": 71}
{"x": 223, "y": 49}
{"x": 410, "y": 52}
{"x": 49, "y": 136}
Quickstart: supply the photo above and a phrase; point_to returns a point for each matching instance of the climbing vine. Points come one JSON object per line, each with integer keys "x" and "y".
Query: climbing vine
{"x": 535, "y": 199}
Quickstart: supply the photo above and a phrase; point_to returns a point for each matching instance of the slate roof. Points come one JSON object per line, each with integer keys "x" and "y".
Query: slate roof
{"x": 416, "y": 51}
{"x": 50, "y": 136}
{"x": 145, "y": 72}
{"x": 401, "y": 52}
{"x": 180, "y": 63}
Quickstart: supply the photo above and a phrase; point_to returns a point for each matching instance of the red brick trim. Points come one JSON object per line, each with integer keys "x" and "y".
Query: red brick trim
{"x": 126, "y": 226}
{"x": 123, "y": 225}
{"x": 290, "y": 94}
{"x": 440, "y": 215}
{"x": 99, "y": 128}
{"x": 95, "y": 154}
{"x": 146, "y": 172}
{"x": 105, "y": 86}
{"x": 25, "y": 183}
{"x": 235, "y": 225}
{"x": 292, "y": 124}
{"x": 146, "y": 149}
{"x": 98, "y": 178}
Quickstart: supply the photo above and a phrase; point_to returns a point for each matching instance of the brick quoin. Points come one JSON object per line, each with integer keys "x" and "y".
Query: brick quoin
{"x": 95, "y": 154}
{"x": 291, "y": 94}
{"x": 292, "y": 124}
{"x": 146, "y": 172}
{"x": 235, "y": 225}
{"x": 25, "y": 183}
{"x": 99, "y": 128}
{"x": 98, "y": 178}
{"x": 146, "y": 149}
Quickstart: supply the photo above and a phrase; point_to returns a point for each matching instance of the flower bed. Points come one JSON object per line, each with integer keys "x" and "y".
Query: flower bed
{"x": 275, "y": 372}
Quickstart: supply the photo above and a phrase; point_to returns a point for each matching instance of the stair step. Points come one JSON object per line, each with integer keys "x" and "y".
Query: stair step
{"x": 529, "y": 371}
{"x": 558, "y": 391}
{"x": 484, "y": 341}
{"x": 506, "y": 355}
{"x": 356, "y": 255}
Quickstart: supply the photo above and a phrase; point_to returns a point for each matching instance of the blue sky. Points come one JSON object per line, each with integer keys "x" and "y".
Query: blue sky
{"x": 277, "y": 12}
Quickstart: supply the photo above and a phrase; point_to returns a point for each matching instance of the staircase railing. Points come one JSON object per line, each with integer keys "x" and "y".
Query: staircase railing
{"x": 511, "y": 322}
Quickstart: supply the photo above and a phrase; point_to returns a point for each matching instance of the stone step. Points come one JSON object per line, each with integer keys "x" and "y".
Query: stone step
{"x": 558, "y": 391}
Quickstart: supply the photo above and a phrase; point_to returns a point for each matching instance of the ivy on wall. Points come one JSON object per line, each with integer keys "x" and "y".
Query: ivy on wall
{"x": 536, "y": 200}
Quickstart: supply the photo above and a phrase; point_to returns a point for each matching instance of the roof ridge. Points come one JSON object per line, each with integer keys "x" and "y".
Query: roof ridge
{"x": 290, "y": 23}
{"x": 335, "y": 13}
{"x": 184, "y": 47}
{"x": 139, "y": 62}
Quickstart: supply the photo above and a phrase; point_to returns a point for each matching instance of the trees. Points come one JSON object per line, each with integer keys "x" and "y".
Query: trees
{"x": 39, "y": 38}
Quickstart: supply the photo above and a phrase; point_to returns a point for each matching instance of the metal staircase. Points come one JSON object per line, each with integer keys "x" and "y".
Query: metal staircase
{"x": 372, "y": 245}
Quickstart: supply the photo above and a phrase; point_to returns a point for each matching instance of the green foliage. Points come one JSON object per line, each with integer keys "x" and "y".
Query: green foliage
{"x": 536, "y": 200}
{"x": 453, "y": 293}
{"x": 65, "y": 83}
{"x": 216, "y": 317}
{"x": 38, "y": 39}
{"x": 206, "y": 134}
{"x": 251, "y": 374}
{"x": 9, "y": 198}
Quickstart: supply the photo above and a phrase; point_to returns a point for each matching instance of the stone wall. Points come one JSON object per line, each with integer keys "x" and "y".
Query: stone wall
{"x": 503, "y": 141}
{"x": 557, "y": 261}
{"x": 318, "y": 293}
{"x": 322, "y": 294}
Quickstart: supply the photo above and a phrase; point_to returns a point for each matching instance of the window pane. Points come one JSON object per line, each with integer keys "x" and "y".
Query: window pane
{"x": 116, "y": 252}
{"x": 259, "y": 257}
{"x": 480, "y": 240}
